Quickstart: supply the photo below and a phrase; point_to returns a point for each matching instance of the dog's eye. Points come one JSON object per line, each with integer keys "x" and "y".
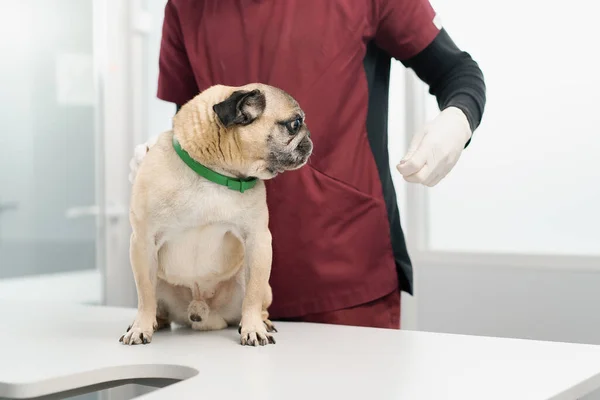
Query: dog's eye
{"x": 294, "y": 126}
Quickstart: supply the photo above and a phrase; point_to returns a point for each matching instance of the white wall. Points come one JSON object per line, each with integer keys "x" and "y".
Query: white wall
{"x": 529, "y": 181}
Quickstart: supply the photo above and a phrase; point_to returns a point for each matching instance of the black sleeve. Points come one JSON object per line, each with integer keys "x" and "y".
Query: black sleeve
{"x": 453, "y": 77}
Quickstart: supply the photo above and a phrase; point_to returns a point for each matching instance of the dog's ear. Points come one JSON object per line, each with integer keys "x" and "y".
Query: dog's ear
{"x": 241, "y": 108}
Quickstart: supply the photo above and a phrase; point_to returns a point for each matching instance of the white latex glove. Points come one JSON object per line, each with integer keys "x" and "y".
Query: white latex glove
{"x": 139, "y": 153}
{"x": 435, "y": 150}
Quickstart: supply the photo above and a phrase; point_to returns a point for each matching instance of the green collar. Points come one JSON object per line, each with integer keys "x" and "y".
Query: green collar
{"x": 239, "y": 185}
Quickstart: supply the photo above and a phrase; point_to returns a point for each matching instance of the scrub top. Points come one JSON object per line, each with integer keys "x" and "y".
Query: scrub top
{"x": 337, "y": 237}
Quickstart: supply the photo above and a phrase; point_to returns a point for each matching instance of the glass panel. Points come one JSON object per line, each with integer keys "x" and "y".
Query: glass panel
{"x": 47, "y": 150}
{"x": 529, "y": 182}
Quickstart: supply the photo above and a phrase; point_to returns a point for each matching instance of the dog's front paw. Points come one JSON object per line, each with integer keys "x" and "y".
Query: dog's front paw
{"x": 255, "y": 333}
{"x": 140, "y": 332}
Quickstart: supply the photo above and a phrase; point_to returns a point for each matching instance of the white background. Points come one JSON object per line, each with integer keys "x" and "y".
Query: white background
{"x": 530, "y": 181}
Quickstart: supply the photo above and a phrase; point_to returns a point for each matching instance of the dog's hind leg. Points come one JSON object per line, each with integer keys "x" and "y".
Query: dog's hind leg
{"x": 213, "y": 322}
{"x": 162, "y": 316}
{"x": 201, "y": 316}
{"x": 198, "y": 309}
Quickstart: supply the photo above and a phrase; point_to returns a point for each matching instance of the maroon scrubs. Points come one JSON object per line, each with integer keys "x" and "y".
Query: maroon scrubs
{"x": 339, "y": 254}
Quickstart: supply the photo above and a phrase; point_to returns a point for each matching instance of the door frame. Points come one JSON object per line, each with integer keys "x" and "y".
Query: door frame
{"x": 117, "y": 49}
{"x": 114, "y": 74}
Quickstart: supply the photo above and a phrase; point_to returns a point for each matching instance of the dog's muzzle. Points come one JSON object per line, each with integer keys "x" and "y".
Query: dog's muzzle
{"x": 304, "y": 150}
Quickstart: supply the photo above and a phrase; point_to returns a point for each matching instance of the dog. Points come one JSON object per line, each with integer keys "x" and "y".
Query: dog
{"x": 200, "y": 246}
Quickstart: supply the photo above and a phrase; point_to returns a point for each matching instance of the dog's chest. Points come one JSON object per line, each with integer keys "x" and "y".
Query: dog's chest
{"x": 207, "y": 203}
{"x": 204, "y": 256}
{"x": 204, "y": 242}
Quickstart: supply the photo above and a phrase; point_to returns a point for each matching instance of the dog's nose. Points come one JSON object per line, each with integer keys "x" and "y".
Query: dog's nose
{"x": 305, "y": 145}
{"x": 196, "y": 318}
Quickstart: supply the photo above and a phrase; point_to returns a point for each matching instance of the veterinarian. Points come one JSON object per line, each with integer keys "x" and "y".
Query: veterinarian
{"x": 339, "y": 254}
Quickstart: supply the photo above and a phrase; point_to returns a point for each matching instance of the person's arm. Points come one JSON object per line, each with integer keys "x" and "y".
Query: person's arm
{"x": 409, "y": 31}
{"x": 453, "y": 77}
{"x": 176, "y": 81}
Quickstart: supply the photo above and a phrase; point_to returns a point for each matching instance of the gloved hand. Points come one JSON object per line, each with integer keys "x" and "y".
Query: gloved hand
{"x": 139, "y": 153}
{"x": 435, "y": 151}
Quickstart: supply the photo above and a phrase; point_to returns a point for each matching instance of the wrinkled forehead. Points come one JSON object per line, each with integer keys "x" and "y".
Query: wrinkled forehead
{"x": 281, "y": 102}
{"x": 277, "y": 100}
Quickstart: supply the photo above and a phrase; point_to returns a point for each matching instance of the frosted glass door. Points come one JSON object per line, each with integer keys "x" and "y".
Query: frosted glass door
{"x": 48, "y": 149}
